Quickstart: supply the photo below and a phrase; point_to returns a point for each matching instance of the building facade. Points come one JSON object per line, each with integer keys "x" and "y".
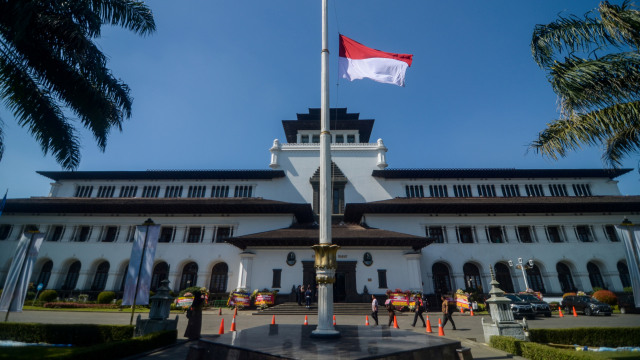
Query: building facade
{"x": 430, "y": 230}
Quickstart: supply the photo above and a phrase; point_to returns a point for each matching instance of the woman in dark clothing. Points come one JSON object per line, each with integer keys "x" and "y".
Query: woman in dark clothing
{"x": 194, "y": 314}
{"x": 392, "y": 312}
{"x": 419, "y": 310}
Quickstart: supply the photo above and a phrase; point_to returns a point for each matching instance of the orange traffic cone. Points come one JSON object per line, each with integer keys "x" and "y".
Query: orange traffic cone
{"x": 367, "y": 321}
{"x": 574, "y": 312}
{"x": 462, "y": 310}
{"x": 305, "y": 320}
{"x": 440, "y": 329}
{"x": 273, "y": 320}
{"x": 221, "y": 331}
{"x": 235, "y": 312}
{"x": 395, "y": 323}
{"x": 233, "y": 324}
{"x": 334, "y": 320}
{"x": 560, "y": 314}
{"x": 220, "y": 311}
{"x": 472, "y": 312}
{"x": 428, "y": 325}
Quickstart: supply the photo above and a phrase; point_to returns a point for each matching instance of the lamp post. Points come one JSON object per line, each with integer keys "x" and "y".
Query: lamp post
{"x": 523, "y": 266}
{"x": 147, "y": 223}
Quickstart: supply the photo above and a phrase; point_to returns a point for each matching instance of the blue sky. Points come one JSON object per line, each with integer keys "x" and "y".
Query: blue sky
{"x": 212, "y": 85}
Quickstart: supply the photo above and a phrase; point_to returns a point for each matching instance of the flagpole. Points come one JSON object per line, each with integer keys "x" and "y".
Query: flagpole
{"x": 147, "y": 223}
{"x": 325, "y": 252}
{"x": 26, "y": 257}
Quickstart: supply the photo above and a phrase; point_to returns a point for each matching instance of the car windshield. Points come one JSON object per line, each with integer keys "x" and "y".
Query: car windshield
{"x": 593, "y": 301}
{"x": 528, "y": 297}
{"x": 512, "y": 297}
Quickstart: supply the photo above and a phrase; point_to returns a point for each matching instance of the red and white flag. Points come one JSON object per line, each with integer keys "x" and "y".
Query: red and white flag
{"x": 357, "y": 61}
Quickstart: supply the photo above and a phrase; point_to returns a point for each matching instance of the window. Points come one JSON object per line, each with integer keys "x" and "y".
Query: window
{"x": 110, "y": 234}
{"x": 82, "y": 233}
{"x": 351, "y": 139}
{"x": 219, "y": 278}
{"x": 565, "y": 278}
{"x": 534, "y": 190}
{"x": 5, "y": 231}
{"x": 105, "y": 191}
{"x": 441, "y": 278}
{"x": 462, "y": 190}
{"x": 220, "y": 191}
{"x": 503, "y": 276}
{"x": 131, "y": 233}
{"x": 338, "y": 200}
{"x": 554, "y": 234}
{"x": 315, "y": 139}
{"x": 524, "y": 234}
{"x": 465, "y": 235}
{"x": 581, "y": 189}
{"x": 277, "y": 274}
{"x": 584, "y": 233}
{"x": 510, "y": 190}
{"x": 438, "y": 191}
{"x": 160, "y": 272}
{"x": 339, "y": 139}
{"x": 196, "y": 191}
{"x": 71, "y": 280}
{"x": 173, "y": 192}
{"x": 189, "y": 275}
{"x": 45, "y": 274}
{"x": 414, "y": 191}
{"x": 558, "y": 190}
{"x": 495, "y": 234}
{"x": 194, "y": 235}
{"x": 128, "y": 191}
{"x": 437, "y": 233}
{"x": 382, "y": 279}
{"x": 304, "y": 139}
{"x": 595, "y": 277}
{"x": 55, "y": 234}
{"x": 222, "y": 233}
{"x": 150, "y": 191}
{"x": 623, "y": 271}
{"x": 84, "y": 191}
{"x": 243, "y": 191}
{"x": 486, "y": 190}
{"x": 100, "y": 279}
{"x": 611, "y": 233}
{"x": 166, "y": 234}
{"x": 472, "y": 277}
{"x": 534, "y": 278}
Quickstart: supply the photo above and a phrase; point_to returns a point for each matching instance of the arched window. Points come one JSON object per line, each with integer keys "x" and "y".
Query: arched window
{"x": 219, "y": 278}
{"x": 472, "y": 277}
{"x": 45, "y": 274}
{"x": 71, "y": 280}
{"x": 160, "y": 272}
{"x": 503, "y": 276}
{"x": 441, "y": 278}
{"x": 565, "y": 278}
{"x": 189, "y": 275}
{"x": 100, "y": 279}
{"x": 623, "y": 270}
{"x": 595, "y": 277}
{"x": 534, "y": 278}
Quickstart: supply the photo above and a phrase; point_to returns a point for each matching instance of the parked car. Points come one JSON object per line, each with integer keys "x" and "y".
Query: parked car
{"x": 520, "y": 308}
{"x": 539, "y": 306}
{"x": 585, "y": 304}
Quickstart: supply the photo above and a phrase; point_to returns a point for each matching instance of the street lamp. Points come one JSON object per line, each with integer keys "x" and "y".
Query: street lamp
{"x": 523, "y": 266}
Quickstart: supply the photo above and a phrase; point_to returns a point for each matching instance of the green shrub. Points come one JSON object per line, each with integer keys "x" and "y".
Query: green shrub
{"x": 606, "y": 297}
{"x": 506, "y": 343}
{"x": 76, "y": 334}
{"x": 611, "y": 337}
{"x": 106, "y": 297}
{"x": 626, "y": 290}
{"x": 534, "y": 351}
{"x": 48, "y": 296}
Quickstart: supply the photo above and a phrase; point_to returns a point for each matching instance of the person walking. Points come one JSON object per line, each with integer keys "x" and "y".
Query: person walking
{"x": 307, "y": 296}
{"x": 391, "y": 310}
{"x": 446, "y": 312}
{"x": 374, "y": 308}
{"x": 194, "y": 314}
{"x": 418, "y": 312}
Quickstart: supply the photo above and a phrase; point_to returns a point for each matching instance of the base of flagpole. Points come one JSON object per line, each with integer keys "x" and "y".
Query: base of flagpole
{"x": 325, "y": 334}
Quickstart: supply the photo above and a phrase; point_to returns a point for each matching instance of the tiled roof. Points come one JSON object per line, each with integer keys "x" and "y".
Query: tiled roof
{"x": 165, "y": 175}
{"x": 497, "y": 173}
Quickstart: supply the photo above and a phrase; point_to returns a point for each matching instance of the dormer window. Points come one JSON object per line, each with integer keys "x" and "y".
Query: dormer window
{"x": 339, "y": 139}
{"x": 351, "y": 139}
{"x": 315, "y": 139}
{"x": 304, "y": 139}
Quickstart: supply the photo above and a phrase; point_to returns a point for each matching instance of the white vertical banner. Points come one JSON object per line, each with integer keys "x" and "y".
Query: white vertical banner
{"x": 148, "y": 234}
{"x": 17, "y": 283}
{"x": 631, "y": 238}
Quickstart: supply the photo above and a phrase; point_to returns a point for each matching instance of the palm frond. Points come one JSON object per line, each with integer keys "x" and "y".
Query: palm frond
{"x": 624, "y": 142}
{"x": 133, "y": 15}
{"x": 621, "y": 22}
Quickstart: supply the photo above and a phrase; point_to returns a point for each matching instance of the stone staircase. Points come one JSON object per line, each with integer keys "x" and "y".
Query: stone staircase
{"x": 292, "y": 308}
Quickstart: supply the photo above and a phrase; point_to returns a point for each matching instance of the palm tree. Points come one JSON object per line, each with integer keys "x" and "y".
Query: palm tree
{"x": 593, "y": 65}
{"x": 51, "y": 69}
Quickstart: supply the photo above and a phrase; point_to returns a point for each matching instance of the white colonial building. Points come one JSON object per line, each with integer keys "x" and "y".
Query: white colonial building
{"x": 434, "y": 230}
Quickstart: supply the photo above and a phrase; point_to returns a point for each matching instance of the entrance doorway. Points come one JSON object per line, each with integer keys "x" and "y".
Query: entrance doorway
{"x": 344, "y": 288}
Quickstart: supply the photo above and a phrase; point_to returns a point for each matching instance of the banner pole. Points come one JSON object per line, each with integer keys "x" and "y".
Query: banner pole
{"x": 26, "y": 256}
{"x": 147, "y": 223}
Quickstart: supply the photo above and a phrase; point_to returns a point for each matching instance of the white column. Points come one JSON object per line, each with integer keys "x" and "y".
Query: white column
{"x": 414, "y": 273}
{"x": 275, "y": 151}
{"x": 382, "y": 157}
{"x": 244, "y": 272}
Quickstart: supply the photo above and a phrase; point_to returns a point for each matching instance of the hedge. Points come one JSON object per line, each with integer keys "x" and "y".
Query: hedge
{"x": 48, "y": 295}
{"x": 72, "y": 305}
{"x": 76, "y": 334}
{"x": 597, "y": 336}
{"x": 106, "y": 297}
{"x": 533, "y": 351}
{"x": 110, "y": 350}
